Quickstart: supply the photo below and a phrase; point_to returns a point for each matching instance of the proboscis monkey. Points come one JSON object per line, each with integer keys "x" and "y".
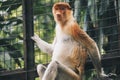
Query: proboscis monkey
{"x": 69, "y": 50}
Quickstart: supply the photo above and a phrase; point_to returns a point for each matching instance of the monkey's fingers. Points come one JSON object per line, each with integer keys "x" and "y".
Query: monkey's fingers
{"x": 35, "y": 37}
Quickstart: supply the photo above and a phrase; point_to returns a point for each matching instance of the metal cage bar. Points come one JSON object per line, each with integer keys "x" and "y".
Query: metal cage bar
{"x": 28, "y": 42}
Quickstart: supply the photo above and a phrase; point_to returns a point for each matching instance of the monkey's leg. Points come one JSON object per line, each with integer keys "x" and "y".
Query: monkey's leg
{"x": 57, "y": 71}
{"x": 41, "y": 70}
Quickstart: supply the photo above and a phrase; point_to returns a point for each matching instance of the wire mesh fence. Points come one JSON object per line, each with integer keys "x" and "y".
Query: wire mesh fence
{"x": 11, "y": 32}
{"x": 99, "y": 18}
{"x": 43, "y": 26}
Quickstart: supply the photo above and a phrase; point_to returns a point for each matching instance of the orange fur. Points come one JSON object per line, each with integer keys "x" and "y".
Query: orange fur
{"x": 70, "y": 48}
{"x": 85, "y": 45}
{"x": 70, "y": 27}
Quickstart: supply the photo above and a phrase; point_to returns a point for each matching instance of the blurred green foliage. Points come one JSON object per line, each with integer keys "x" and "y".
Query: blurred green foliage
{"x": 11, "y": 35}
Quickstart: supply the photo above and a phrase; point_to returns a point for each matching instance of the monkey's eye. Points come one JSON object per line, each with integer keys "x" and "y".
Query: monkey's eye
{"x": 56, "y": 8}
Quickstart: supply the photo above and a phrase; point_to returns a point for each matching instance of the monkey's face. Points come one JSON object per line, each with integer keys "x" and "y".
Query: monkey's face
{"x": 61, "y": 12}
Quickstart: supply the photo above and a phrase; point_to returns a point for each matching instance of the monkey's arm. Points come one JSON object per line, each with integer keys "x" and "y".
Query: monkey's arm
{"x": 91, "y": 46}
{"x": 44, "y": 46}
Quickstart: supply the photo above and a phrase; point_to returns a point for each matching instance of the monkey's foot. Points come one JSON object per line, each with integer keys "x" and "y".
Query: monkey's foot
{"x": 110, "y": 76}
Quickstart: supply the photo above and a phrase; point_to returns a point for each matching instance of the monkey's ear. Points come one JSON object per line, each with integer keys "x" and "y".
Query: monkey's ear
{"x": 69, "y": 7}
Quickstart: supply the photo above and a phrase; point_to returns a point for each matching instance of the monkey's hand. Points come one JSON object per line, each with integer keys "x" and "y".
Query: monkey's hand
{"x": 35, "y": 38}
{"x": 44, "y": 46}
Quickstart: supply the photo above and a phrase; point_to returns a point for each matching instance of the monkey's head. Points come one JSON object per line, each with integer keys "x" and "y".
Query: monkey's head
{"x": 62, "y": 12}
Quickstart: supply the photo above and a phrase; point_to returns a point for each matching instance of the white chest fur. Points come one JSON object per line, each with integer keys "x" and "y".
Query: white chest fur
{"x": 63, "y": 47}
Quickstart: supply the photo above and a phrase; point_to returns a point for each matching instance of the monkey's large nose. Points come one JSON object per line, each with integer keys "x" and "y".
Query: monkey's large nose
{"x": 58, "y": 15}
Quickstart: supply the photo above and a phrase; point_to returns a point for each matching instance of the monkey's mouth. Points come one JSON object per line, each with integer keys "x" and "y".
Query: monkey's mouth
{"x": 59, "y": 17}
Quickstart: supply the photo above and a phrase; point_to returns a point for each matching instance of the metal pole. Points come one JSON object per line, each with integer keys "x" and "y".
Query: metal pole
{"x": 28, "y": 43}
